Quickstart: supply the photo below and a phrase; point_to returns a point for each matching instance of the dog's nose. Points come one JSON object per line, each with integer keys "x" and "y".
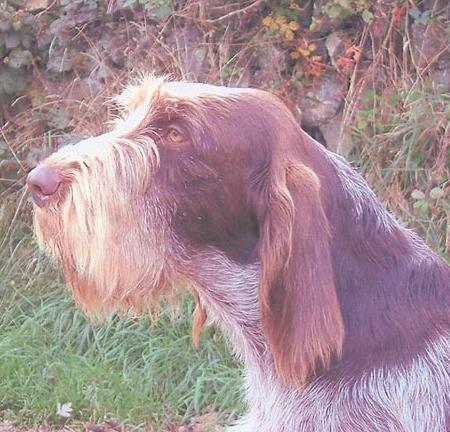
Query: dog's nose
{"x": 43, "y": 182}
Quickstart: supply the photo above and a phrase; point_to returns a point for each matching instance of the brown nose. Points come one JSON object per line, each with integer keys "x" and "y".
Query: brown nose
{"x": 43, "y": 182}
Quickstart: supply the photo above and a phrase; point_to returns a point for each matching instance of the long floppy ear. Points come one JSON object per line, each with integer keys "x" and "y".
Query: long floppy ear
{"x": 300, "y": 312}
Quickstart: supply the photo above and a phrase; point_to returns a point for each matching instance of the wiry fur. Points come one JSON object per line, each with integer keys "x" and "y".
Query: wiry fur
{"x": 410, "y": 398}
{"x": 100, "y": 229}
{"x": 340, "y": 315}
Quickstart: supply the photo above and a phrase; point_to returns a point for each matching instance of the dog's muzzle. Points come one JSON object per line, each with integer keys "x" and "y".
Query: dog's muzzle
{"x": 43, "y": 182}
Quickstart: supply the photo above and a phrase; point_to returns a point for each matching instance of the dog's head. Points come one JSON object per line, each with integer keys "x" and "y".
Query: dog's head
{"x": 188, "y": 168}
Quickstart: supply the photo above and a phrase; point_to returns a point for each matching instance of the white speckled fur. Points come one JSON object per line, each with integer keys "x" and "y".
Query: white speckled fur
{"x": 412, "y": 399}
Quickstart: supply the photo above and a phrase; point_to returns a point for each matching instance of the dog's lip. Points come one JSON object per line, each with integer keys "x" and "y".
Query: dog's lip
{"x": 39, "y": 198}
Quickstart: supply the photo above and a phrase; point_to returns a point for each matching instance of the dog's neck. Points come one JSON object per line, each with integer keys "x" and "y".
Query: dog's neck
{"x": 393, "y": 290}
{"x": 228, "y": 292}
{"x": 376, "y": 335}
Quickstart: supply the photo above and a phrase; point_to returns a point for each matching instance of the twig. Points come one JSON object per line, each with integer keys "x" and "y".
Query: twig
{"x": 16, "y": 215}
{"x": 13, "y": 152}
{"x": 236, "y": 12}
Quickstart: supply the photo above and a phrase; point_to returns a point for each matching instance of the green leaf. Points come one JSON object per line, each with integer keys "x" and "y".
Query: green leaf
{"x": 393, "y": 101}
{"x": 414, "y": 13}
{"x": 19, "y": 58}
{"x": 362, "y": 124}
{"x": 334, "y": 11}
{"x": 421, "y": 205}
{"x": 369, "y": 96}
{"x": 424, "y": 17}
{"x": 279, "y": 10}
{"x": 417, "y": 194}
{"x": 436, "y": 193}
{"x": 413, "y": 96}
{"x": 367, "y": 16}
{"x": 162, "y": 11}
{"x": 292, "y": 14}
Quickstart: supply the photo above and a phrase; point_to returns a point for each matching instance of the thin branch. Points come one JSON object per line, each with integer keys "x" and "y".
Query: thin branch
{"x": 236, "y": 12}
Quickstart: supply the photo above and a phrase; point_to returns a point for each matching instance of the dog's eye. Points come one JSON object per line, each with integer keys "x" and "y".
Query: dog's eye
{"x": 175, "y": 136}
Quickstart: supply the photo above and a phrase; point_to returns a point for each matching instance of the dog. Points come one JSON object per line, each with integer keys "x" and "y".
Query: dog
{"x": 340, "y": 315}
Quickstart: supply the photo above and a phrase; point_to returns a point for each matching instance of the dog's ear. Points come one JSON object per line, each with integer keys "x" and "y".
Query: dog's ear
{"x": 301, "y": 317}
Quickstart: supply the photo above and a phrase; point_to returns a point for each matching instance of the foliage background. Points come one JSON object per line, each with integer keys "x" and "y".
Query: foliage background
{"x": 370, "y": 79}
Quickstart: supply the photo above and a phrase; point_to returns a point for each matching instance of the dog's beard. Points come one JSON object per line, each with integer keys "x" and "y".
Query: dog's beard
{"x": 107, "y": 228}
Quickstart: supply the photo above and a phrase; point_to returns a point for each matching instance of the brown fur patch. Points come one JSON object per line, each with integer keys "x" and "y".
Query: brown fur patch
{"x": 300, "y": 310}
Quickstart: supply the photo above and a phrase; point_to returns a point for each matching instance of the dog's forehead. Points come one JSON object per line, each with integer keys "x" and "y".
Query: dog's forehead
{"x": 192, "y": 90}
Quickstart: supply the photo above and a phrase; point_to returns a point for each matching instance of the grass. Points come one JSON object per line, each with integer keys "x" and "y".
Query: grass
{"x": 403, "y": 148}
{"x": 144, "y": 375}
